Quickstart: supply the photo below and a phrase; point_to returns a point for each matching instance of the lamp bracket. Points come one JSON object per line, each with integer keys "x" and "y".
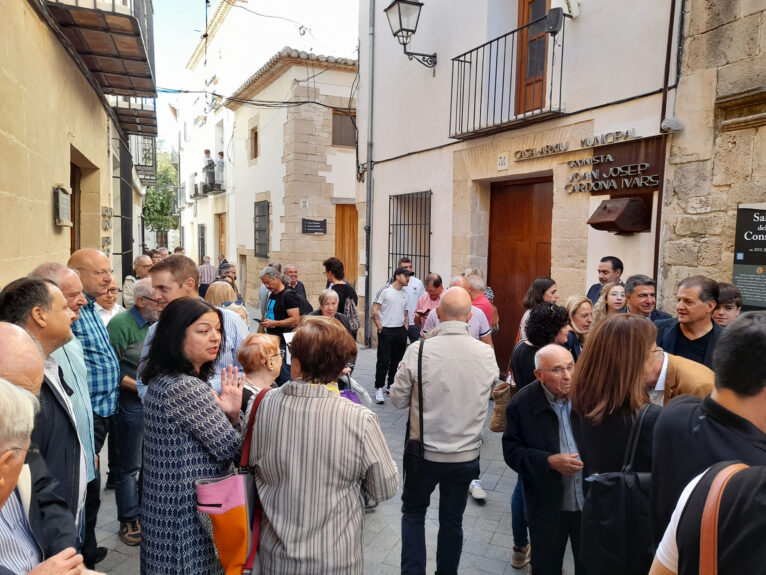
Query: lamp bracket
{"x": 428, "y": 60}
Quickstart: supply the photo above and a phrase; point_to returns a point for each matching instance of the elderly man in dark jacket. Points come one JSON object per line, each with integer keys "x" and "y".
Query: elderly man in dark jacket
{"x": 539, "y": 445}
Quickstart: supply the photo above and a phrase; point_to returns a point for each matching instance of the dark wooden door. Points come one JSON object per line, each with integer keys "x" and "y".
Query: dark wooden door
{"x": 532, "y": 54}
{"x": 519, "y": 251}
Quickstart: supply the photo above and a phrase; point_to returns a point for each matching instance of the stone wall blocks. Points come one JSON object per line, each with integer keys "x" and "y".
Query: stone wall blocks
{"x": 733, "y": 157}
{"x": 747, "y": 192}
{"x": 741, "y": 76}
{"x": 710, "y": 251}
{"x": 681, "y": 253}
{"x": 709, "y": 14}
{"x": 729, "y": 43}
{"x": 700, "y": 225}
{"x": 693, "y": 179}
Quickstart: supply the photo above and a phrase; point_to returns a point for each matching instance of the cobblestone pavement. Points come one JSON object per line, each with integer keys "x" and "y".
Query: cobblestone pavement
{"x": 487, "y": 533}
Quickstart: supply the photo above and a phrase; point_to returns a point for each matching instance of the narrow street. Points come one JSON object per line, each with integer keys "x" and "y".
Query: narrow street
{"x": 487, "y": 526}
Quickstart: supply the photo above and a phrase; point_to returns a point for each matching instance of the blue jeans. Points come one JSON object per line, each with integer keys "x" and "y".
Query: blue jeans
{"x": 453, "y": 480}
{"x": 130, "y": 438}
{"x": 519, "y": 522}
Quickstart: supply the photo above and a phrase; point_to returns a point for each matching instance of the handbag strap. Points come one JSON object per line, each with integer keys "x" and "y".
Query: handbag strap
{"x": 632, "y": 446}
{"x": 420, "y": 388}
{"x": 249, "y": 433}
{"x": 709, "y": 528}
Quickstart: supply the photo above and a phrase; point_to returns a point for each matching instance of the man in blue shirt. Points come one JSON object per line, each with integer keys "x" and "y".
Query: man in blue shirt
{"x": 103, "y": 376}
{"x": 177, "y": 277}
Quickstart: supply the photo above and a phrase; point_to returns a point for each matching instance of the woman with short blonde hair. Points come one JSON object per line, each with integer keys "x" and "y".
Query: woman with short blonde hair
{"x": 220, "y": 292}
{"x": 580, "y": 312}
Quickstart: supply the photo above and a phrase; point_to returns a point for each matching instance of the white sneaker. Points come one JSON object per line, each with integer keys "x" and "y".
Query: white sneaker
{"x": 476, "y": 491}
{"x": 379, "y": 395}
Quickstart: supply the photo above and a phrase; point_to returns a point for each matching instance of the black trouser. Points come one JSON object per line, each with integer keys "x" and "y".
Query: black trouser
{"x": 93, "y": 493}
{"x": 392, "y": 343}
{"x": 549, "y": 542}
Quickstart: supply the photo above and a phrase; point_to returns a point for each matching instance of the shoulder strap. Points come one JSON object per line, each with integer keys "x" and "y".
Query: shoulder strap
{"x": 709, "y": 527}
{"x": 635, "y": 433}
{"x": 420, "y": 388}
{"x": 249, "y": 433}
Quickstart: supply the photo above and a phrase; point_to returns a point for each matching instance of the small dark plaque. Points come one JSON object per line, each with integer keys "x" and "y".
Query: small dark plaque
{"x": 750, "y": 257}
{"x": 314, "y": 226}
{"x": 62, "y": 208}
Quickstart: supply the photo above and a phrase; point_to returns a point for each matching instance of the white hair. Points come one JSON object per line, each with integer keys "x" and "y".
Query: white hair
{"x": 142, "y": 288}
{"x": 17, "y": 415}
{"x": 477, "y": 282}
{"x": 270, "y": 272}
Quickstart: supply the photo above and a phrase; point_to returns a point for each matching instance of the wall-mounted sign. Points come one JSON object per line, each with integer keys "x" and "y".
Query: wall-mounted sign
{"x": 314, "y": 226}
{"x": 62, "y": 207}
{"x": 625, "y": 167}
{"x": 606, "y": 139}
{"x": 546, "y": 150}
{"x": 750, "y": 256}
{"x": 502, "y": 162}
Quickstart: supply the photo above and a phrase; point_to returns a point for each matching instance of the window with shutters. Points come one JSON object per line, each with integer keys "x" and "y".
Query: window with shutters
{"x": 261, "y": 229}
{"x": 343, "y": 129}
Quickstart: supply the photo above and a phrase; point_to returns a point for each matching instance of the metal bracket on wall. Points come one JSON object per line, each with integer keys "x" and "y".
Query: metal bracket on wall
{"x": 106, "y": 218}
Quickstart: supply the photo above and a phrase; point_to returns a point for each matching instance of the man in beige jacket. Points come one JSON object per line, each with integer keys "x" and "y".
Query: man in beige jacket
{"x": 457, "y": 374}
{"x": 673, "y": 375}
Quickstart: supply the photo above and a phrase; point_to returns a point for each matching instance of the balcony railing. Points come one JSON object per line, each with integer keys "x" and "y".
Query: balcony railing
{"x": 144, "y": 152}
{"x": 512, "y": 80}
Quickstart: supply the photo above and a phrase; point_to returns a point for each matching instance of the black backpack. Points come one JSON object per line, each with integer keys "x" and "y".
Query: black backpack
{"x": 616, "y": 535}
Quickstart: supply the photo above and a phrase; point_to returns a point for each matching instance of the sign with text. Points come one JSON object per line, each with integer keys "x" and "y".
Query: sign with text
{"x": 314, "y": 226}
{"x": 750, "y": 256}
{"x": 626, "y": 167}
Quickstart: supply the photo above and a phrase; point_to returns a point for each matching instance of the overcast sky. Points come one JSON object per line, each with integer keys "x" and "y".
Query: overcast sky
{"x": 179, "y": 24}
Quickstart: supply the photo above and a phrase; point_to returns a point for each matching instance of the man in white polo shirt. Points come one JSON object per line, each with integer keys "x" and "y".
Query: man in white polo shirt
{"x": 390, "y": 314}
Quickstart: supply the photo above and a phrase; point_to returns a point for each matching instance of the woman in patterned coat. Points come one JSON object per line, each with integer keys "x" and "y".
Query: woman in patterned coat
{"x": 189, "y": 434}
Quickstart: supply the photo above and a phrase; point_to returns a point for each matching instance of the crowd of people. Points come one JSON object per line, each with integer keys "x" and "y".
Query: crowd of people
{"x": 165, "y": 372}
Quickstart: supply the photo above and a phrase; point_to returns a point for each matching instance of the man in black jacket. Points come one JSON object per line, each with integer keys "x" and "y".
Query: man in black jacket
{"x": 39, "y": 307}
{"x": 37, "y": 531}
{"x": 693, "y": 334}
{"x": 539, "y": 445}
{"x": 692, "y": 434}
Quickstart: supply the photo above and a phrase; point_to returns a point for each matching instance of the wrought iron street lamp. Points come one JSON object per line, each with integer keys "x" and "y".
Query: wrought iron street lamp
{"x": 403, "y": 16}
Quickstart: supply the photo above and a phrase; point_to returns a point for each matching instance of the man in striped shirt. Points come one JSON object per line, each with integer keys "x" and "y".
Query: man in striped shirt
{"x": 207, "y": 275}
{"x": 103, "y": 376}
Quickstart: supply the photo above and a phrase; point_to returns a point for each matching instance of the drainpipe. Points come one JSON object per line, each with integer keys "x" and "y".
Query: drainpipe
{"x": 368, "y": 182}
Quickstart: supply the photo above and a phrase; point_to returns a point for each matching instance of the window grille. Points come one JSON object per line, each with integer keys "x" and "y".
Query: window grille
{"x": 261, "y": 229}
{"x": 343, "y": 129}
{"x": 201, "y": 240}
{"x": 409, "y": 231}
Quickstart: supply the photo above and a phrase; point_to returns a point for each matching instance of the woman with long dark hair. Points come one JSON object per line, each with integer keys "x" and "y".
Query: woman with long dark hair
{"x": 189, "y": 434}
{"x": 608, "y": 394}
{"x": 542, "y": 290}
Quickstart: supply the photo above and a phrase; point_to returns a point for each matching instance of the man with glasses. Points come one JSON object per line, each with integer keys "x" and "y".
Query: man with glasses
{"x": 673, "y": 375}
{"x": 103, "y": 376}
{"x": 127, "y": 332}
{"x": 539, "y": 445}
{"x": 141, "y": 267}
{"x": 37, "y": 531}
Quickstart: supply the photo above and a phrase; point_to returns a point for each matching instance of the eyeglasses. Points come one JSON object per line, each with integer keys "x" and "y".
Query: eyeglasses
{"x": 113, "y": 291}
{"x": 559, "y": 369}
{"x": 150, "y": 299}
{"x": 101, "y": 274}
{"x": 228, "y": 303}
{"x": 280, "y": 354}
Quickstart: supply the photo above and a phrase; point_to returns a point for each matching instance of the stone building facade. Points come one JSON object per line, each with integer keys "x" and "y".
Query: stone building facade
{"x": 718, "y": 160}
{"x": 302, "y": 168}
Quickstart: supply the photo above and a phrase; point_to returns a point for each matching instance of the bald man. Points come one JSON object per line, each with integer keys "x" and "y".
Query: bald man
{"x": 477, "y": 320}
{"x": 457, "y": 374}
{"x": 20, "y": 359}
{"x": 539, "y": 445}
{"x": 103, "y": 376}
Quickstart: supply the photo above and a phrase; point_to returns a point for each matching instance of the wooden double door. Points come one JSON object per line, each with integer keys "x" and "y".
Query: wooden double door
{"x": 519, "y": 251}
